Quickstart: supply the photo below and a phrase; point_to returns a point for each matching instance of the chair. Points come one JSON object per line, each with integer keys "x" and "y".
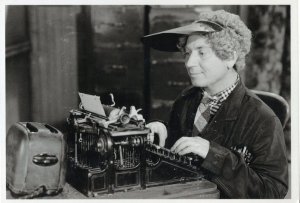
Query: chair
{"x": 277, "y": 103}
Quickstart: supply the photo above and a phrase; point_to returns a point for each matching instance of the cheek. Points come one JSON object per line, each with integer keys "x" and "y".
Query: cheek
{"x": 215, "y": 67}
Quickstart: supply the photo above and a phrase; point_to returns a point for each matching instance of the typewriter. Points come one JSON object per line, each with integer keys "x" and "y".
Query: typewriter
{"x": 108, "y": 150}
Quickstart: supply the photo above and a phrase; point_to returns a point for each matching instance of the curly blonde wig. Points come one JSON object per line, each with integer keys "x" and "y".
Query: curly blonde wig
{"x": 235, "y": 37}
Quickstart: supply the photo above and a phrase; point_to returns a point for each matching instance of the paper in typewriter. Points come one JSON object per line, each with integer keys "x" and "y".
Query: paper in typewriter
{"x": 92, "y": 103}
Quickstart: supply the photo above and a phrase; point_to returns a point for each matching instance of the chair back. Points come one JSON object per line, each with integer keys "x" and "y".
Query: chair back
{"x": 277, "y": 103}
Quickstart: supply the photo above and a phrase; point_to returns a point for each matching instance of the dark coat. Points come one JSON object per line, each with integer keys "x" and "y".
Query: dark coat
{"x": 243, "y": 120}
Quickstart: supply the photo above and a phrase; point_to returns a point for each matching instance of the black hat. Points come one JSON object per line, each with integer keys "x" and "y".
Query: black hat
{"x": 167, "y": 40}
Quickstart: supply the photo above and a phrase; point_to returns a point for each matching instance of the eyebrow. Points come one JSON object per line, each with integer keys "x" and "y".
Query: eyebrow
{"x": 197, "y": 47}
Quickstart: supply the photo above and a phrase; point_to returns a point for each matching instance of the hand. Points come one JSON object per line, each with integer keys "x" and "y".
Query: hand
{"x": 159, "y": 129}
{"x": 196, "y": 145}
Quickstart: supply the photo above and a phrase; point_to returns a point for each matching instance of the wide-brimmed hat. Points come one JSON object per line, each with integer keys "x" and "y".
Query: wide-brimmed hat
{"x": 167, "y": 40}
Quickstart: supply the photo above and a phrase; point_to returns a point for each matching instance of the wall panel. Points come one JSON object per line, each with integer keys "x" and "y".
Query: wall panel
{"x": 118, "y": 52}
{"x": 17, "y": 76}
{"x": 53, "y": 62}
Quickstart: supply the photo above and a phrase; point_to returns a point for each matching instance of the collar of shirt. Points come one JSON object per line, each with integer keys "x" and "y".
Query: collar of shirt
{"x": 216, "y": 100}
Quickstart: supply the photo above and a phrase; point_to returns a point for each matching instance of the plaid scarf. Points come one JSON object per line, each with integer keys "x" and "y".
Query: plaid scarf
{"x": 217, "y": 99}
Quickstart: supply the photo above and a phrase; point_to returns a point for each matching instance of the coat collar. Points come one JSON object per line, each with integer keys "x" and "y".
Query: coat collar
{"x": 232, "y": 104}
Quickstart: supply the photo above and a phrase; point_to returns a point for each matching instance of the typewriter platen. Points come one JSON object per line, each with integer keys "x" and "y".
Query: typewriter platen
{"x": 111, "y": 151}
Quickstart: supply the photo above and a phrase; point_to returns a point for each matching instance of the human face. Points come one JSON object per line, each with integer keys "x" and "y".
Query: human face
{"x": 203, "y": 66}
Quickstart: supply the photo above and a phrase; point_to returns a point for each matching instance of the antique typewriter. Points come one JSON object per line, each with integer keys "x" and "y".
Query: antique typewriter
{"x": 108, "y": 150}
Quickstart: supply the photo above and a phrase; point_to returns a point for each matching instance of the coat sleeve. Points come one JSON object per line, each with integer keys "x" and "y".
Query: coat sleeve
{"x": 266, "y": 176}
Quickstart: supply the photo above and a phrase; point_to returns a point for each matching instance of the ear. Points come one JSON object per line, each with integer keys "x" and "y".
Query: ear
{"x": 230, "y": 62}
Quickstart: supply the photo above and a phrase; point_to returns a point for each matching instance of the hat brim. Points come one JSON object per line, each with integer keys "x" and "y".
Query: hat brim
{"x": 167, "y": 40}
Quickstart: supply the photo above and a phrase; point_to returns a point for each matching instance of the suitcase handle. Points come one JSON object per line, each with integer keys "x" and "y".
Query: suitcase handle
{"x": 52, "y": 129}
{"x": 31, "y": 127}
{"x": 45, "y": 159}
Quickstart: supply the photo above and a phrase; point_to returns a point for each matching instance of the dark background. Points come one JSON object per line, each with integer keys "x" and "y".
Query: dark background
{"x": 52, "y": 52}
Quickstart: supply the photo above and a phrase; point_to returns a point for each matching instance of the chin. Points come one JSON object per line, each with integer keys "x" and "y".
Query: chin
{"x": 199, "y": 83}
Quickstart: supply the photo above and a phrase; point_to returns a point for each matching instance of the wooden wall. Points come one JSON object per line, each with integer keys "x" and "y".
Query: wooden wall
{"x": 18, "y": 101}
{"x": 41, "y": 69}
{"x": 118, "y": 53}
{"x": 53, "y": 62}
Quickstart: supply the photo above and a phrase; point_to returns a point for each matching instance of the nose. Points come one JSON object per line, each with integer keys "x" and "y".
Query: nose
{"x": 192, "y": 60}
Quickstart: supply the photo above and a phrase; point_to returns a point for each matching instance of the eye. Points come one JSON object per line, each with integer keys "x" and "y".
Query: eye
{"x": 186, "y": 53}
{"x": 202, "y": 53}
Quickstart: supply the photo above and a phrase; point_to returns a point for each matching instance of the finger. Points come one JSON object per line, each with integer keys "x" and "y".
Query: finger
{"x": 152, "y": 127}
{"x": 183, "y": 145}
{"x": 186, "y": 150}
{"x": 162, "y": 142}
{"x": 152, "y": 137}
{"x": 163, "y": 134}
{"x": 177, "y": 143}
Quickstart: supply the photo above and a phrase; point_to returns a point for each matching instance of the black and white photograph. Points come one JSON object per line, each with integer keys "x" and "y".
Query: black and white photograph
{"x": 150, "y": 101}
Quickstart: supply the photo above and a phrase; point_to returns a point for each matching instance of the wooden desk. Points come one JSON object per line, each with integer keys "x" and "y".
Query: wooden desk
{"x": 191, "y": 190}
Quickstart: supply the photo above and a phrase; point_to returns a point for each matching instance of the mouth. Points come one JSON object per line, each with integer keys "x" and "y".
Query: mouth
{"x": 195, "y": 71}
{"x": 195, "y": 74}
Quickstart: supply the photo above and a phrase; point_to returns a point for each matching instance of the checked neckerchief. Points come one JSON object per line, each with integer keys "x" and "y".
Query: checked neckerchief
{"x": 202, "y": 115}
{"x": 209, "y": 106}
